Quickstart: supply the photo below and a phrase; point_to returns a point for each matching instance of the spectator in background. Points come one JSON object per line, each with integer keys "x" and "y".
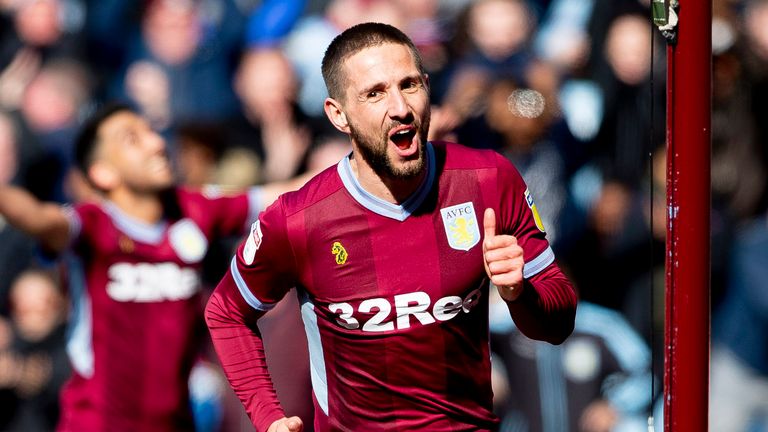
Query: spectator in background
{"x": 16, "y": 248}
{"x": 563, "y": 41}
{"x": 608, "y": 187}
{"x": 179, "y": 64}
{"x": 199, "y": 149}
{"x": 738, "y": 164}
{"x": 31, "y": 34}
{"x": 272, "y": 124}
{"x": 611, "y": 249}
{"x": 624, "y": 140}
{"x": 51, "y": 109}
{"x": 496, "y": 36}
{"x": 45, "y": 28}
{"x": 755, "y": 61}
{"x": 739, "y": 368}
{"x": 52, "y": 28}
{"x": 598, "y": 380}
{"x": 647, "y": 317}
{"x": 40, "y": 362}
{"x": 521, "y": 117}
{"x": 329, "y": 150}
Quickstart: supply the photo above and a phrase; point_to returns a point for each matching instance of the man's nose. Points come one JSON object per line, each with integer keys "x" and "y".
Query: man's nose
{"x": 155, "y": 141}
{"x": 398, "y": 107}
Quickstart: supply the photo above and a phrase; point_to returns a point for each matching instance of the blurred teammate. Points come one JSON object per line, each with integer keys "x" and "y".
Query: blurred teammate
{"x": 392, "y": 258}
{"x": 137, "y": 317}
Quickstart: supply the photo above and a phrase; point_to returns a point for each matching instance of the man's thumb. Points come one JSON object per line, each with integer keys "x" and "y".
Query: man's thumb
{"x": 294, "y": 424}
{"x": 489, "y": 223}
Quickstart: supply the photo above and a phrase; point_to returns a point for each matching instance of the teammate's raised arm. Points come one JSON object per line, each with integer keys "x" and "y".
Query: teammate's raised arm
{"x": 45, "y": 221}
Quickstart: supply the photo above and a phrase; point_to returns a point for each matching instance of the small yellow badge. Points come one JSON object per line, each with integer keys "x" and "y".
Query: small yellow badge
{"x": 532, "y": 206}
{"x": 339, "y": 252}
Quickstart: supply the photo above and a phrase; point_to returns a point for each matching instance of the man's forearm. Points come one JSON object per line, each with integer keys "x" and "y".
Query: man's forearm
{"x": 47, "y": 222}
{"x": 546, "y": 309}
{"x": 241, "y": 351}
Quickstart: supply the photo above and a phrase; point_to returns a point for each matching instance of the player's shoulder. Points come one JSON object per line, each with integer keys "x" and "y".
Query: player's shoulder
{"x": 92, "y": 216}
{"x": 90, "y": 206}
{"x": 459, "y": 156}
{"x": 321, "y": 187}
{"x": 88, "y": 210}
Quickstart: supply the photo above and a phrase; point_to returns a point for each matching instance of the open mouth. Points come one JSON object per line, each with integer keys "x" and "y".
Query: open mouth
{"x": 403, "y": 138}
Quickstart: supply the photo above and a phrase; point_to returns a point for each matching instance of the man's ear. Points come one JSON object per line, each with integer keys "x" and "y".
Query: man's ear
{"x": 335, "y": 114}
{"x": 103, "y": 176}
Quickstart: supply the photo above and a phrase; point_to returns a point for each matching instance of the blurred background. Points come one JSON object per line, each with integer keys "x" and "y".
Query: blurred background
{"x": 571, "y": 91}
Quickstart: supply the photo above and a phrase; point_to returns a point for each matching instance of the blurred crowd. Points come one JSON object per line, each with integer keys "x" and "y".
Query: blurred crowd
{"x": 571, "y": 91}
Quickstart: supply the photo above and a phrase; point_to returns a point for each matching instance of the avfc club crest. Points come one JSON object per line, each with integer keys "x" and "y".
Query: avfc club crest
{"x": 461, "y": 227}
{"x": 188, "y": 241}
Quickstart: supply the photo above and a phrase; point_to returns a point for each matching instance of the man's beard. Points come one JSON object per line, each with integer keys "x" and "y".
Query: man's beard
{"x": 374, "y": 152}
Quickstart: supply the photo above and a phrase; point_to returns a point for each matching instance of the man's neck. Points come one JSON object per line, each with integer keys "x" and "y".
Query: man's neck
{"x": 391, "y": 190}
{"x": 145, "y": 207}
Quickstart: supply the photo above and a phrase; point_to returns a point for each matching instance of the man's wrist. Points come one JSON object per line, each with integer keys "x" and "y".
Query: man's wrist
{"x": 511, "y": 293}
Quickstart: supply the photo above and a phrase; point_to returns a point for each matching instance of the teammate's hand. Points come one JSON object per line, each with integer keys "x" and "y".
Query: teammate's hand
{"x": 503, "y": 259}
{"x": 287, "y": 424}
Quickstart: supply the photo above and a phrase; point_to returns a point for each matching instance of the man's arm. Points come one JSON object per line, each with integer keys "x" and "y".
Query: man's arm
{"x": 546, "y": 308}
{"x": 543, "y": 306}
{"x": 239, "y": 345}
{"x": 47, "y": 222}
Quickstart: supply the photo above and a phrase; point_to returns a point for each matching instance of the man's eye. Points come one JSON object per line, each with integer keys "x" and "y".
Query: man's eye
{"x": 373, "y": 94}
{"x": 410, "y": 85}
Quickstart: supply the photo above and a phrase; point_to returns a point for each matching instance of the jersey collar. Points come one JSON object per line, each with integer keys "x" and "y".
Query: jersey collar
{"x": 135, "y": 229}
{"x": 377, "y": 205}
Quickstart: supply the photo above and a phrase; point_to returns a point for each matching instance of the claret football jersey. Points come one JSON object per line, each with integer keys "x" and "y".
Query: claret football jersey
{"x": 136, "y": 321}
{"x": 394, "y": 297}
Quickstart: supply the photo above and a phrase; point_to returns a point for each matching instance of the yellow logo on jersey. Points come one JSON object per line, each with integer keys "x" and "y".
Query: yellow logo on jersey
{"x": 532, "y": 206}
{"x": 339, "y": 252}
{"x": 460, "y": 232}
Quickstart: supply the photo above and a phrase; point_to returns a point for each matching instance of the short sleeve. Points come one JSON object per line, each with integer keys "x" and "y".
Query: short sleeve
{"x": 86, "y": 222}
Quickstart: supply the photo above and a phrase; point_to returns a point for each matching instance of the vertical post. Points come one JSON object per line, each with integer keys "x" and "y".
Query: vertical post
{"x": 686, "y": 357}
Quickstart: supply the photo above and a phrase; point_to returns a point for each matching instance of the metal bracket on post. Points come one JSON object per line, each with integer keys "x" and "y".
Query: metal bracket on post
{"x": 665, "y": 18}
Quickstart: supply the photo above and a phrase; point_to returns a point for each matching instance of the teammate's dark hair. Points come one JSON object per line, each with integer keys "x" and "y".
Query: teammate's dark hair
{"x": 88, "y": 137}
{"x": 353, "y": 40}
